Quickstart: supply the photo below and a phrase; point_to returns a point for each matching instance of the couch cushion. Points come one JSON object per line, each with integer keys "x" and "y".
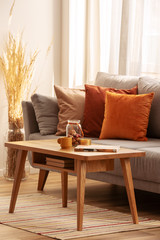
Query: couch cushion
{"x": 71, "y": 106}
{"x": 146, "y": 85}
{"x": 94, "y": 107}
{"x": 38, "y": 136}
{"x": 143, "y": 168}
{"x": 46, "y": 111}
{"x": 152, "y": 142}
{"x": 149, "y": 168}
{"x": 126, "y": 116}
{"x": 116, "y": 81}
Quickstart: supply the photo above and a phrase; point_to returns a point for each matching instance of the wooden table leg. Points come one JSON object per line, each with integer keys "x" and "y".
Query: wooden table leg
{"x": 20, "y": 162}
{"x": 64, "y": 181}
{"x": 81, "y": 177}
{"x": 127, "y": 174}
{"x": 43, "y": 174}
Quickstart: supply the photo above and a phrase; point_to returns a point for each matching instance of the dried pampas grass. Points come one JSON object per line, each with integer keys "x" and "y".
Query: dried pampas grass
{"x": 17, "y": 71}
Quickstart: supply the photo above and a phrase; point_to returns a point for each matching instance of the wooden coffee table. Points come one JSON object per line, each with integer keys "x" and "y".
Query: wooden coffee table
{"x": 80, "y": 163}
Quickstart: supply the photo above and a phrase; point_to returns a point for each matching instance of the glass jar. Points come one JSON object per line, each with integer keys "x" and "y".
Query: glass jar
{"x": 74, "y": 130}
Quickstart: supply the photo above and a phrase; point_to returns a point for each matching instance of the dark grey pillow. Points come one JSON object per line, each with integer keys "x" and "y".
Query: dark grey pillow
{"x": 147, "y": 85}
{"x": 46, "y": 111}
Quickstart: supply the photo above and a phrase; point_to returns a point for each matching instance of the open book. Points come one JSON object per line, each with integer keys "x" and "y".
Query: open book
{"x": 96, "y": 148}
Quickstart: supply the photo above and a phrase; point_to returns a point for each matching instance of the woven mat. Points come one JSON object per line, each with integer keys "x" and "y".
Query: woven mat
{"x": 44, "y": 215}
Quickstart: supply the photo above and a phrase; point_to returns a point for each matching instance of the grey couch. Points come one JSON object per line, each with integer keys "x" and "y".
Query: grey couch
{"x": 146, "y": 170}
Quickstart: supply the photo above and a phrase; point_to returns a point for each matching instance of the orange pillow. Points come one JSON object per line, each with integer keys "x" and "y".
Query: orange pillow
{"x": 94, "y": 108}
{"x": 126, "y": 116}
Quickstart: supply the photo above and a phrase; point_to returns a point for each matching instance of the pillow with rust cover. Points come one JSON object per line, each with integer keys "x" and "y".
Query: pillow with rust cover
{"x": 126, "y": 116}
{"x": 94, "y": 107}
{"x": 71, "y": 106}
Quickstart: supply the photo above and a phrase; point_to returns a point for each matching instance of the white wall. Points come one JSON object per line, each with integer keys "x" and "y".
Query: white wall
{"x": 38, "y": 20}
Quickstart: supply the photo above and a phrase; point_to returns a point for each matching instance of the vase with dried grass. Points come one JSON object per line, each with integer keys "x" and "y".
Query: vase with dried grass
{"x": 17, "y": 72}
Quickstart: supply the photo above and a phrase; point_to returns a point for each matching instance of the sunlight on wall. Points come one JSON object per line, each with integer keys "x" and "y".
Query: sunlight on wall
{"x": 35, "y": 17}
{"x": 76, "y": 42}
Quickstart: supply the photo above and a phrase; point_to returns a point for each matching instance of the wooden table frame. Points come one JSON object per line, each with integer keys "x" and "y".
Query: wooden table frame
{"x": 83, "y": 162}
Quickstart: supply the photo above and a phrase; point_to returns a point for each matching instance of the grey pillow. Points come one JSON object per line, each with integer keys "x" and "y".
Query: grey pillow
{"x": 147, "y": 85}
{"x": 46, "y": 111}
{"x": 116, "y": 81}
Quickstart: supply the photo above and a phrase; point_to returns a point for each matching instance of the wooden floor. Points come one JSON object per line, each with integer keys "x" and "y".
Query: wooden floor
{"x": 97, "y": 194}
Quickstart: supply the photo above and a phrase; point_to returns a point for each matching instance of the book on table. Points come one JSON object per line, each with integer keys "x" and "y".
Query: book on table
{"x": 96, "y": 148}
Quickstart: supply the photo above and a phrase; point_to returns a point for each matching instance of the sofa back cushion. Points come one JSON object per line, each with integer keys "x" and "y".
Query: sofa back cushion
{"x": 46, "y": 111}
{"x": 116, "y": 81}
{"x": 147, "y": 85}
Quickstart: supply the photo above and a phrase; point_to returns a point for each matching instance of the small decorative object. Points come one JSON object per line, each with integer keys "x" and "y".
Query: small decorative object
{"x": 84, "y": 141}
{"x": 74, "y": 130}
{"x": 17, "y": 70}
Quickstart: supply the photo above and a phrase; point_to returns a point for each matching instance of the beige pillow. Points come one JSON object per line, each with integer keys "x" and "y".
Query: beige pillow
{"x": 71, "y": 106}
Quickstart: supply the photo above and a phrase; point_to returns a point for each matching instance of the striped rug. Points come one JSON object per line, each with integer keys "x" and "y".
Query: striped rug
{"x": 43, "y": 214}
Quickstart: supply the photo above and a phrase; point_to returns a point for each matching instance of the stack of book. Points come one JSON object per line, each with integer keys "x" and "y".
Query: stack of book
{"x": 60, "y": 162}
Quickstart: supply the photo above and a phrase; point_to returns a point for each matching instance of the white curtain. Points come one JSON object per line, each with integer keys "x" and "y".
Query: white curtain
{"x": 151, "y": 38}
{"x": 114, "y": 36}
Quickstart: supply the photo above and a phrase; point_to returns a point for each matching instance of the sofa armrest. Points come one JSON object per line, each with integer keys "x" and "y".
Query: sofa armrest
{"x": 29, "y": 119}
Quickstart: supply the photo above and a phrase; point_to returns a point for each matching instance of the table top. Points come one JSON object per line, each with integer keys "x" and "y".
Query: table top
{"x": 51, "y": 147}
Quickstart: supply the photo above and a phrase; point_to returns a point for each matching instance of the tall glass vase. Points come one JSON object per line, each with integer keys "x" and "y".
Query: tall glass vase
{"x": 14, "y": 133}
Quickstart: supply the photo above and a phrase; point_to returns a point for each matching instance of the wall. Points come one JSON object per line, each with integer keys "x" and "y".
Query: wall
{"x": 40, "y": 21}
